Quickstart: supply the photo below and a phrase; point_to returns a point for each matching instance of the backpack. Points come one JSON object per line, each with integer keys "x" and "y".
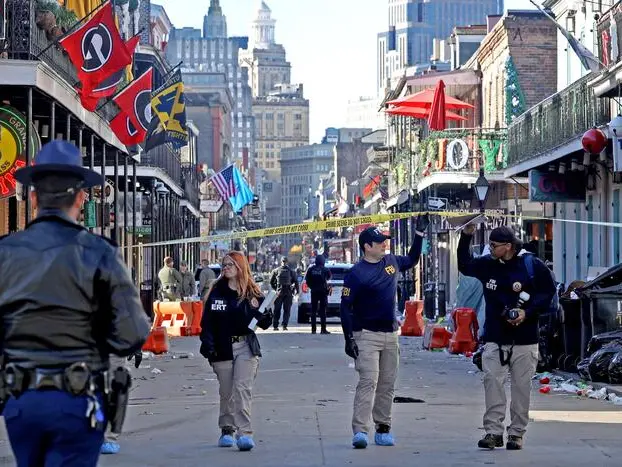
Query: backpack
{"x": 529, "y": 264}
{"x": 284, "y": 278}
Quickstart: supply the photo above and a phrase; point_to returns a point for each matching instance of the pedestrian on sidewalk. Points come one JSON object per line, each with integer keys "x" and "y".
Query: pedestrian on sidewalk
{"x": 188, "y": 285}
{"x": 285, "y": 282}
{"x": 317, "y": 278}
{"x": 370, "y": 327}
{"x": 232, "y": 348}
{"x": 510, "y": 330}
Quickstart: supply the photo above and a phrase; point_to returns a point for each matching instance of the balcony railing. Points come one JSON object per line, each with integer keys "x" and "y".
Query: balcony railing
{"x": 166, "y": 159}
{"x": 556, "y": 121}
{"x": 25, "y": 41}
{"x": 190, "y": 184}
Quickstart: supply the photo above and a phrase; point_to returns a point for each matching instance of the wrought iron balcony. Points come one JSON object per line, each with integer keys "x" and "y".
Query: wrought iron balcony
{"x": 556, "y": 121}
{"x": 26, "y": 41}
{"x": 166, "y": 159}
{"x": 190, "y": 184}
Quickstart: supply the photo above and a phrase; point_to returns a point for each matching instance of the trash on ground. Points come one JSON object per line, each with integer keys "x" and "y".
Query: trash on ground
{"x": 156, "y": 371}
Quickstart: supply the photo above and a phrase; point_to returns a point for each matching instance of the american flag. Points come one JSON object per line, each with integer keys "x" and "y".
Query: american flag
{"x": 223, "y": 181}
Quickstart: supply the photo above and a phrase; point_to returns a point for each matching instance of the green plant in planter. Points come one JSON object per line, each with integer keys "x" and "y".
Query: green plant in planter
{"x": 65, "y": 18}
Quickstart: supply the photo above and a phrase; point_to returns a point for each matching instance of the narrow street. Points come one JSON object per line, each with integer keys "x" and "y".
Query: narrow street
{"x": 302, "y": 412}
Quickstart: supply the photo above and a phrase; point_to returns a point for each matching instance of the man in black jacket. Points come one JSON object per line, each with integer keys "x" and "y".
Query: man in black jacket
{"x": 66, "y": 303}
{"x": 285, "y": 282}
{"x": 317, "y": 278}
{"x": 510, "y": 329}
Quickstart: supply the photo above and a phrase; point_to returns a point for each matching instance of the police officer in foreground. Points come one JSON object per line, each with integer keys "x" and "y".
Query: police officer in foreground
{"x": 370, "y": 328}
{"x": 66, "y": 303}
{"x": 514, "y": 299}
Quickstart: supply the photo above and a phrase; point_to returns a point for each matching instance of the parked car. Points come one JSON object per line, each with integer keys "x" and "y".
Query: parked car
{"x": 338, "y": 271}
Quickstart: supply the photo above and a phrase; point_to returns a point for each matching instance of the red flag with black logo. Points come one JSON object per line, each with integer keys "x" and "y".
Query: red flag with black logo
{"x": 109, "y": 85}
{"x": 132, "y": 123}
{"x": 96, "y": 49}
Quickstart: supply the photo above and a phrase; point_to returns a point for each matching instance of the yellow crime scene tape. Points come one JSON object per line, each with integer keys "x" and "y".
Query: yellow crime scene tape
{"x": 331, "y": 224}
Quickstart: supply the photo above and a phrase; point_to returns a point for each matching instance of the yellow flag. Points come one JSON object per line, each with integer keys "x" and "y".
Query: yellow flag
{"x": 81, "y": 7}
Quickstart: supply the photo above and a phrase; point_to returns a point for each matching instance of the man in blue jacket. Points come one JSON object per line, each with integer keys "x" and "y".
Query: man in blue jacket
{"x": 511, "y": 327}
{"x": 370, "y": 330}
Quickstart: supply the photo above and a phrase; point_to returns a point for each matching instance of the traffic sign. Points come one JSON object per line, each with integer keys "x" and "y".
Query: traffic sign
{"x": 437, "y": 203}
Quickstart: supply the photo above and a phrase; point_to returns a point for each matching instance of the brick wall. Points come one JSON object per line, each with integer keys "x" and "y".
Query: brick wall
{"x": 531, "y": 40}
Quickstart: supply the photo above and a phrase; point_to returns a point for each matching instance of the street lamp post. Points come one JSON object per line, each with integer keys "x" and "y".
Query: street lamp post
{"x": 482, "y": 187}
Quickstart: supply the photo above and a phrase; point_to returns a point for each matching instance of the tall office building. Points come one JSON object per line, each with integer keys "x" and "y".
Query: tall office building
{"x": 211, "y": 52}
{"x": 414, "y": 24}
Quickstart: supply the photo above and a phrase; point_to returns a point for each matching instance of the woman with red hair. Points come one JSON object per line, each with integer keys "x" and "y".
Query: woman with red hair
{"x": 232, "y": 347}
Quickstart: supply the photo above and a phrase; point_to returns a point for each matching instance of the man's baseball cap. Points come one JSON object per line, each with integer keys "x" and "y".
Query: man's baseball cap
{"x": 371, "y": 235}
{"x": 503, "y": 235}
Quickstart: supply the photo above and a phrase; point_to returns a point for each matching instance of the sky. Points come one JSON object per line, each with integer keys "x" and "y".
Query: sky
{"x": 331, "y": 45}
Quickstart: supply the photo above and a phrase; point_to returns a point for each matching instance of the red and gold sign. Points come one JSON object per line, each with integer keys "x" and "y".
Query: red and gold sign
{"x": 13, "y": 147}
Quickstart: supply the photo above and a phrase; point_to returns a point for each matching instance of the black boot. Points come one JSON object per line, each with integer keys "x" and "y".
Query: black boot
{"x": 491, "y": 441}
{"x": 515, "y": 443}
{"x": 324, "y": 331}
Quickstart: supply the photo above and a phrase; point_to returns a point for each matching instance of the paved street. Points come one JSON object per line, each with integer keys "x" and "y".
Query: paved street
{"x": 303, "y": 404}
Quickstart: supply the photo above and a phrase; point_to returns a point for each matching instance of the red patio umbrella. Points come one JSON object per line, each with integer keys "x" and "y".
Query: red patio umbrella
{"x": 418, "y": 112}
{"x": 436, "y": 120}
{"x": 426, "y": 98}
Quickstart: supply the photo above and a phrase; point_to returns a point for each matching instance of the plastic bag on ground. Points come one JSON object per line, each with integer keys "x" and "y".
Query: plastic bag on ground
{"x": 598, "y": 341}
{"x": 583, "y": 368}
{"x": 600, "y": 361}
{"x": 615, "y": 369}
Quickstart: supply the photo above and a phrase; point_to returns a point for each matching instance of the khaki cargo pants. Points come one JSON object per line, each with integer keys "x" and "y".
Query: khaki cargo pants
{"x": 522, "y": 367}
{"x": 377, "y": 366}
{"x": 235, "y": 379}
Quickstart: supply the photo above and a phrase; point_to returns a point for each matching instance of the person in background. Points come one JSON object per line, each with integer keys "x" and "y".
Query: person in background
{"x": 170, "y": 280}
{"x": 232, "y": 348}
{"x": 206, "y": 279}
{"x": 188, "y": 286}
{"x": 317, "y": 278}
{"x": 285, "y": 281}
{"x": 370, "y": 328}
{"x": 511, "y": 328}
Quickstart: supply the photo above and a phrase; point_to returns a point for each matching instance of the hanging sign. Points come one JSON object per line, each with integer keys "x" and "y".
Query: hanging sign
{"x": 13, "y": 147}
{"x": 552, "y": 187}
{"x": 457, "y": 154}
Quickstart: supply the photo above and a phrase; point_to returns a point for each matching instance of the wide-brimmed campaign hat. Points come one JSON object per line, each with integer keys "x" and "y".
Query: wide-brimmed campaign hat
{"x": 59, "y": 157}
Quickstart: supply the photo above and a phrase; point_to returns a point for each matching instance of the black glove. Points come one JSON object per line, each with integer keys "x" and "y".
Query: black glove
{"x": 207, "y": 352}
{"x": 352, "y": 349}
{"x": 265, "y": 320}
{"x": 422, "y": 223}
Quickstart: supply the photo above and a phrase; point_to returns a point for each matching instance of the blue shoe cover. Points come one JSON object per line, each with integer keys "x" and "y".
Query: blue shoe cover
{"x": 226, "y": 441}
{"x": 110, "y": 447}
{"x": 360, "y": 440}
{"x": 245, "y": 443}
{"x": 384, "y": 439}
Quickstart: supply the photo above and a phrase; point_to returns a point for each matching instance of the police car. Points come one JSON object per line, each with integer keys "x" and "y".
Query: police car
{"x": 338, "y": 271}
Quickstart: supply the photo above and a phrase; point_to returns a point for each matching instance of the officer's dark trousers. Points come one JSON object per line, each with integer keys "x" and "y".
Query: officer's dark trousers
{"x": 50, "y": 429}
{"x": 318, "y": 305}
{"x": 285, "y": 301}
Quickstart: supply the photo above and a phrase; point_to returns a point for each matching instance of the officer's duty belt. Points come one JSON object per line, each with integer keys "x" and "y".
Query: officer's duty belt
{"x": 76, "y": 379}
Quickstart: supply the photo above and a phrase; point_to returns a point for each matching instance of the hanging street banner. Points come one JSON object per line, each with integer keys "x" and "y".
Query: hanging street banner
{"x": 13, "y": 147}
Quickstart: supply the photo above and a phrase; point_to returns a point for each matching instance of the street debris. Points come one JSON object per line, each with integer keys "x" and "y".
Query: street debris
{"x": 156, "y": 371}
{"x": 553, "y": 383}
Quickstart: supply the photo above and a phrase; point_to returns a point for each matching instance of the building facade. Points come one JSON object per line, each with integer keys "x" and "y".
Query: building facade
{"x": 281, "y": 122}
{"x": 301, "y": 170}
{"x": 413, "y": 26}
{"x": 266, "y": 59}
{"x": 214, "y": 52}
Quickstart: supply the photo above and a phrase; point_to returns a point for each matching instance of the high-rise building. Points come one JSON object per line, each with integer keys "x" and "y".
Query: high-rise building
{"x": 281, "y": 121}
{"x": 213, "y": 52}
{"x": 266, "y": 59}
{"x": 413, "y": 26}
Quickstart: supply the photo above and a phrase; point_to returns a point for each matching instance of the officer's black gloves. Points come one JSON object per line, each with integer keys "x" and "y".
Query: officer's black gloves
{"x": 265, "y": 320}
{"x": 352, "y": 349}
{"x": 422, "y": 223}
{"x": 138, "y": 358}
